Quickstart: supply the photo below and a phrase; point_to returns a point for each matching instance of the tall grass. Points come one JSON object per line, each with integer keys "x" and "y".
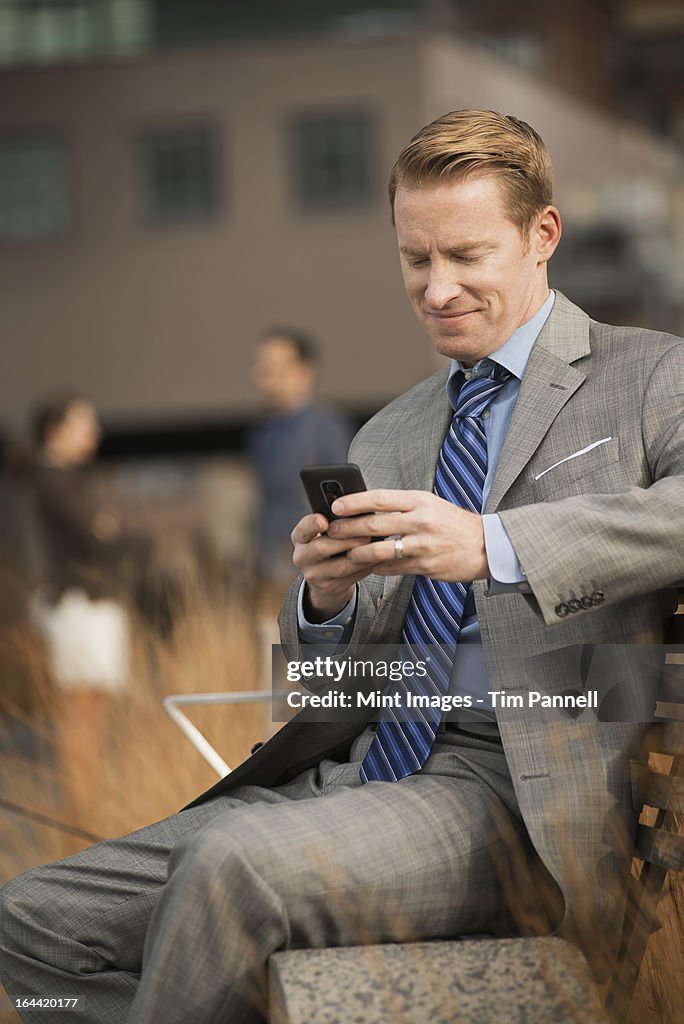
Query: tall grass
{"x": 110, "y": 765}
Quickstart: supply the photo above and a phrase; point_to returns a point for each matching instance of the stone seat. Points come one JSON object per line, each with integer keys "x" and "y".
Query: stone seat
{"x": 472, "y": 981}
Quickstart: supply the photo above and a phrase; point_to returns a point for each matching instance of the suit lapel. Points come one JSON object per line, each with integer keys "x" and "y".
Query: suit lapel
{"x": 548, "y": 383}
{"x": 421, "y": 437}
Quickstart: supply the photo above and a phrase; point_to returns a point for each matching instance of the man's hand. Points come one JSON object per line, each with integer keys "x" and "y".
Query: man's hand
{"x": 439, "y": 539}
{"x": 325, "y": 564}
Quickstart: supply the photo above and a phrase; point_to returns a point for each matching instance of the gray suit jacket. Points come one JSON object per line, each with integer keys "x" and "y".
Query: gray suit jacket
{"x": 608, "y": 523}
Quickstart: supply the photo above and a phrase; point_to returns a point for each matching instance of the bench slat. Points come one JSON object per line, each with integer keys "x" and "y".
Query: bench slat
{"x": 665, "y": 791}
{"x": 666, "y": 849}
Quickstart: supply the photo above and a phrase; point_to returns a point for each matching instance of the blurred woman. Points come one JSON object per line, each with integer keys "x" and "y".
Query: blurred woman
{"x": 84, "y": 625}
{"x": 67, "y": 434}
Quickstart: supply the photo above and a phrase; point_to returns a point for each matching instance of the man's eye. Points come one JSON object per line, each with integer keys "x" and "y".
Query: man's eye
{"x": 417, "y": 262}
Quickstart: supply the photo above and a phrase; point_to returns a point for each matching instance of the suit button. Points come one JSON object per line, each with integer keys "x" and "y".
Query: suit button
{"x": 575, "y": 605}
{"x": 598, "y": 597}
{"x": 562, "y": 610}
{"x": 586, "y": 601}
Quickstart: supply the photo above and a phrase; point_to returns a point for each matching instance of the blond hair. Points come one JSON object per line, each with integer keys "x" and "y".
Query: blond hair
{"x": 477, "y": 142}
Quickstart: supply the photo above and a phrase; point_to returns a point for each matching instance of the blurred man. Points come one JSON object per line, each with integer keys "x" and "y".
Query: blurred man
{"x": 526, "y": 505}
{"x": 297, "y": 431}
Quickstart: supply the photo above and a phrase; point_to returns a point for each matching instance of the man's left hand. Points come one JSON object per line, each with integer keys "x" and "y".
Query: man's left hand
{"x": 439, "y": 539}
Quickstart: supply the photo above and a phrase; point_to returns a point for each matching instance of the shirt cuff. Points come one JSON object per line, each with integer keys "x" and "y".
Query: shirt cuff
{"x": 506, "y": 575}
{"x": 335, "y": 630}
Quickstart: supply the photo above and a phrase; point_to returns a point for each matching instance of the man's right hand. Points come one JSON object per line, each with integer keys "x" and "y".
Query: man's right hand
{"x": 330, "y": 576}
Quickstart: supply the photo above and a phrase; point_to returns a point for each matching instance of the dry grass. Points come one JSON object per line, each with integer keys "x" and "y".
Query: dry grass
{"x": 659, "y": 996}
{"x": 111, "y": 766}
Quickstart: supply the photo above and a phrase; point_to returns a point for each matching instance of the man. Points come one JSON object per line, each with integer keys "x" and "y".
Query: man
{"x": 296, "y": 432}
{"x": 571, "y": 434}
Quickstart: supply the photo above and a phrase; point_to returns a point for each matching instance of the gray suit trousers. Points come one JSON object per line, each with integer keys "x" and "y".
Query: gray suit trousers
{"x": 176, "y": 922}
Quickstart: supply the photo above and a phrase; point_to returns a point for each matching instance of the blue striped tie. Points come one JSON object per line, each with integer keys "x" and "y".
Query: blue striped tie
{"x": 433, "y": 620}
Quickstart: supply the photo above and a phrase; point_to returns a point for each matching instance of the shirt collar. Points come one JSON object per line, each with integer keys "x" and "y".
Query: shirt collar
{"x": 514, "y": 354}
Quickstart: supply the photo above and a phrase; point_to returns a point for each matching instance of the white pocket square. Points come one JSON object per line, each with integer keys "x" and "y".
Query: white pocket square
{"x": 575, "y": 455}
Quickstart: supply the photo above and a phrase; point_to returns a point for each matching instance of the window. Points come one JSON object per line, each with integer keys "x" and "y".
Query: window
{"x": 179, "y": 174}
{"x": 332, "y": 161}
{"x": 50, "y": 31}
{"x": 34, "y": 188}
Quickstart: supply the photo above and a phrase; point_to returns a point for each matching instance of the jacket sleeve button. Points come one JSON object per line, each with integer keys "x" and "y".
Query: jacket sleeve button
{"x": 562, "y": 610}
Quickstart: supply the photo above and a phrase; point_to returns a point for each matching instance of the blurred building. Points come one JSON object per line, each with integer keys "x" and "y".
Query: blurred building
{"x": 174, "y": 177}
{"x": 565, "y": 43}
{"x": 651, "y": 63}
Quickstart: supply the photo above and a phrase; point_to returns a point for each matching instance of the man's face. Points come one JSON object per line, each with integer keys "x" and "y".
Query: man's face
{"x": 279, "y": 374}
{"x": 76, "y": 437}
{"x": 471, "y": 277}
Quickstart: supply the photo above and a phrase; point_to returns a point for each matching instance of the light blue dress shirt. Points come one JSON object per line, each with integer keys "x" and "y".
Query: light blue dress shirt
{"x": 469, "y": 675}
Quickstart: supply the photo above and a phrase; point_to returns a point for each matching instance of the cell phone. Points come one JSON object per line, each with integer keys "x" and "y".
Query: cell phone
{"x": 323, "y": 484}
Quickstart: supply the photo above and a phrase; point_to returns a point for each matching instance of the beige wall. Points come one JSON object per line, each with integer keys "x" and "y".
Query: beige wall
{"x": 158, "y": 324}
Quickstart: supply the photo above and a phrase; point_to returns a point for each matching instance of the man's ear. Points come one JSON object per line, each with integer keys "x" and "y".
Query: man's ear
{"x": 546, "y": 233}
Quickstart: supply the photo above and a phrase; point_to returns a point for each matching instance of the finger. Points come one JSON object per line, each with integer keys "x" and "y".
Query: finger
{"x": 395, "y": 568}
{"x": 322, "y": 548}
{"x": 339, "y": 570}
{"x": 379, "y": 553}
{"x": 378, "y": 500}
{"x": 378, "y": 525}
{"x": 308, "y": 528}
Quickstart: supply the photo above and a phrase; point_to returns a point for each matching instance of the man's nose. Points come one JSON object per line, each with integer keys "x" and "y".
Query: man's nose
{"x": 443, "y": 286}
